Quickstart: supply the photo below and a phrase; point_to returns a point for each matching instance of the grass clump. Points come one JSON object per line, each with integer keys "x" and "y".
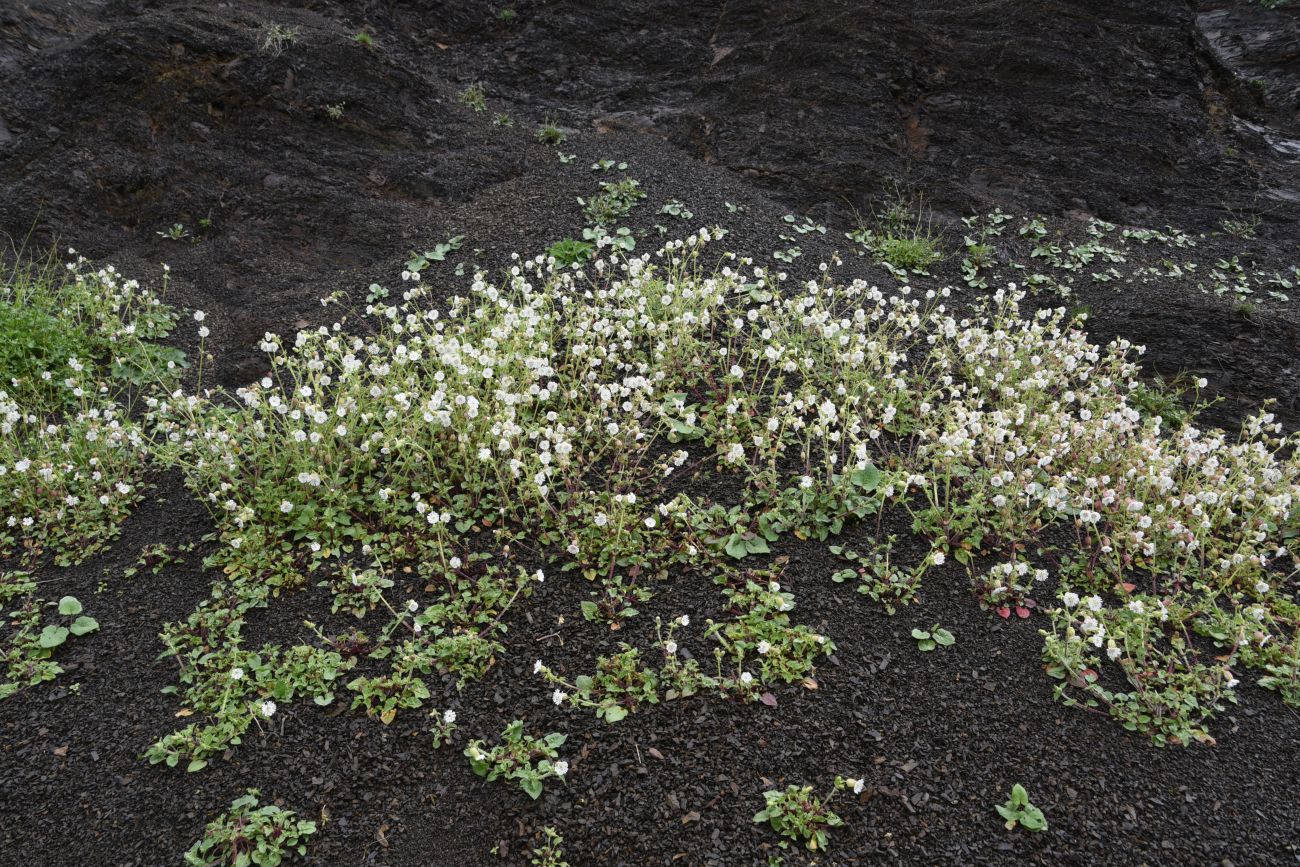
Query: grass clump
{"x": 473, "y": 97}
{"x": 900, "y": 234}
{"x": 550, "y": 134}
{"x": 273, "y": 38}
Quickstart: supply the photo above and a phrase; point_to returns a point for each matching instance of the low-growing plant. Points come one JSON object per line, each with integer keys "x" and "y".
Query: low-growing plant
{"x": 797, "y": 813}
{"x": 473, "y": 97}
{"x": 419, "y": 261}
{"x": 549, "y": 133}
{"x": 901, "y": 233}
{"x": 571, "y": 251}
{"x": 251, "y": 834}
{"x": 1019, "y": 811}
{"x": 273, "y": 38}
{"x": 550, "y": 853}
{"x": 935, "y": 636}
{"x": 879, "y": 579}
{"x": 176, "y": 232}
{"x": 442, "y": 726}
{"x": 527, "y": 760}
{"x": 614, "y": 202}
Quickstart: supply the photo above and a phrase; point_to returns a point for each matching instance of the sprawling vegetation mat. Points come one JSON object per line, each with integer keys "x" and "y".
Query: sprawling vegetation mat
{"x": 635, "y": 446}
{"x": 590, "y": 434}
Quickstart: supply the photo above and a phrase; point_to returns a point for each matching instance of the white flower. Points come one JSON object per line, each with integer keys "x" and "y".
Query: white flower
{"x": 286, "y": 506}
{"x": 764, "y": 647}
{"x": 746, "y": 678}
{"x": 448, "y": 717}
{"x": 412, "y": 606}
{"x": 236, "y": 673}
{"x": 1094, "y": 603}
{"x": 670, "y": 647}
{"x": 858, "y": 786}
{"x": 199, "y": 315}
{"x": 937, "y": 558}
{"x": 684, "y": 620}
{"x": 558, "y": 697}
{"x": 537, "y": 667}
{"x": 1070, "y": 599}
{"x": 268, "y": 709}
{"x": 560, "y": 768}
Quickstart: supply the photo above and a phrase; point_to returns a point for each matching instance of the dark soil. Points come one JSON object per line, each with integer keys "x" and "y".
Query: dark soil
{"x": 120, "y": 118}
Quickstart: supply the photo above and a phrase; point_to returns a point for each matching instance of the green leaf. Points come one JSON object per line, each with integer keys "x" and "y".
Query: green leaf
{"x": 196, "y": 765}
{"x": 1032, "y": 818}
{"x": 614, "y": 713}
{"x": 532, "y": 786}
{"x": 53, "y": 636}
{"x": 920, "y": 634}
{"x": 83, "y": 625}
{"x": 944, "y": 637}
{"x": 69, "y": 605}
{"x": 868, "y": 478}
{"x": 736, "y": 546}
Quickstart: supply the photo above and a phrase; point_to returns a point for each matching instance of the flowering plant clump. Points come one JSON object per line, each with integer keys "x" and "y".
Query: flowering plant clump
{"x": 407, "y": 456}
{"x": 71, "y": 455}
{"x": 75, "y": 347}
{"x": 797, "y": 813}
{"x": 520, "y": 757}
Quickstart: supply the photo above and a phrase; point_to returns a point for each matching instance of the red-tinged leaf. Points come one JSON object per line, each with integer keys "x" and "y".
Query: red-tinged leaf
{"x": 768, "y": 699}
{"x": 1128, "y": 588}
{"x": 1004, "y": 612}
{"x": 1022, "y": 612}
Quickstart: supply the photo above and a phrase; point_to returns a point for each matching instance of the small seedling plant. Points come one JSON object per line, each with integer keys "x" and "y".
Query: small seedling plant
{"x": 249, "y": 834}
{"x": 527, "y": 760}
{"x": 935, "y": 636}
{"x": 1019, "y": 811}
{"x": 551, "y": 851}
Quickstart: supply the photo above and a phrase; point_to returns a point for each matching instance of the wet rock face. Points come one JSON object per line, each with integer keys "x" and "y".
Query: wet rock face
{"x": 1101, "y": 108}
{"x": 1261, "y": 47}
